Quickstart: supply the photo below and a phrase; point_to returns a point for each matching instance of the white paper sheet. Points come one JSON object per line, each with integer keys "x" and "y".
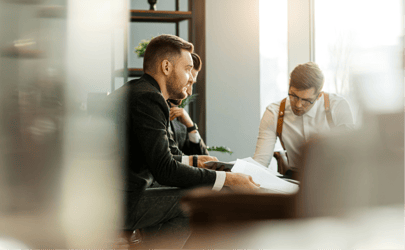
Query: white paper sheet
{"x": 265, "y": 178}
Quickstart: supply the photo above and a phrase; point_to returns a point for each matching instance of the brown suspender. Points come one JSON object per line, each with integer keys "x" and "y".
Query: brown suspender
{"x": 327, "y": 110}
{"x": 280, "y": 119}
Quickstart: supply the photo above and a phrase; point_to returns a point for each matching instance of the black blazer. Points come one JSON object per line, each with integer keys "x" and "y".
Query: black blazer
{"x": 183, "y": 142}
{"x": 142, "y": 116}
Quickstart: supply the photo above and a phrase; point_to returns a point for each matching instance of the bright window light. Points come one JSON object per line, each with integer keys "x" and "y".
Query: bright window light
{"x": 273, "y": 52}
{"x": 361, "y": 33}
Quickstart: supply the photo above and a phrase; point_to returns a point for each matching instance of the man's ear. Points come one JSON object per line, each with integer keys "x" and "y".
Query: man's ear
{"x": 166, "y": 67}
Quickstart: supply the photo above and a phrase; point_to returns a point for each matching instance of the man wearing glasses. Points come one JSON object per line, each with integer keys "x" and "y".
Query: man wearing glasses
{"x": 306, "y": 112}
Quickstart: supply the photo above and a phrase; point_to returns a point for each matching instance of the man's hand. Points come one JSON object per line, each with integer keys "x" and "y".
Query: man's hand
{"x": 202, "y": 159}
{"x": 217, "y": 167}
{"x": 240, "y": 182}
{"x": 282, "y": 162}
{"x": 181, "y": 115}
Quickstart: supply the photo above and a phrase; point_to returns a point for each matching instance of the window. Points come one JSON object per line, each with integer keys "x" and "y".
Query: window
{"x": 273, "y": 52}
{"x": 359, "y": 35}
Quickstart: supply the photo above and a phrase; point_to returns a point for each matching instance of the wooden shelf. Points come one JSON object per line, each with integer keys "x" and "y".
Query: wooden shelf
{"x": 132, "y": 72}
{"x": 24, "y": 1}
{"x": 21, "y": 53}
{"x": 52, "y": 12}
{"x": 152, "y": 16}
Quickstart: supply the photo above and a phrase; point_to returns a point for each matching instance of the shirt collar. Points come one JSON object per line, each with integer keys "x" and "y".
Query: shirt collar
{"x": 312, "y": 112}
{"x": 151, "y": 80}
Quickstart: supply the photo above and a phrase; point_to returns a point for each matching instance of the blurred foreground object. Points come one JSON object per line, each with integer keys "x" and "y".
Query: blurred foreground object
{"x": 351, "y": 192}
{"x": 351, "y": 196}
{"x": 59, "y": 167}
{"x": 351, "y": 185}
{"x": 32, "y": 114}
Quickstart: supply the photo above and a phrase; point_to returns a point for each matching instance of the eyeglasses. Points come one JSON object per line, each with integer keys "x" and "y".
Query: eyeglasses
{"x": 304, "y": 102}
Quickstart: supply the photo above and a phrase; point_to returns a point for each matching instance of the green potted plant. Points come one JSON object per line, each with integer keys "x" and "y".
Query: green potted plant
{"x": 140, "y": 49}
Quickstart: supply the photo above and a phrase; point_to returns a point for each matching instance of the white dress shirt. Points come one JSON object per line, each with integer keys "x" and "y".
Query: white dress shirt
{"x": 220, "y": 177}
{"x": 299, "y": 129}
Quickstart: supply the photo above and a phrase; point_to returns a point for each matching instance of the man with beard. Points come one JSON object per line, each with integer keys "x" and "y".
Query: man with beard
{"x": 185, "y": 132}
{"x": 143, "y": 116}
{"x": 307, "y": 112}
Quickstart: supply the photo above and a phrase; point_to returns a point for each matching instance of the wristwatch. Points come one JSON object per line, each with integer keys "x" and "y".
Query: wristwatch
{"x": 195, "y": 161}
{"x": 194, "y": 127}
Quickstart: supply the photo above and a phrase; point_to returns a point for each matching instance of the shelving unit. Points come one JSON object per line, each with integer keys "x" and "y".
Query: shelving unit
{"x": 132, "y": 72}
{"x": 153, "y": 16}
{"x": 196, "y": 21}
{"x": 159, "y": 16}
{"x": 21, "y": 53}
{"x": 53, "y": 12}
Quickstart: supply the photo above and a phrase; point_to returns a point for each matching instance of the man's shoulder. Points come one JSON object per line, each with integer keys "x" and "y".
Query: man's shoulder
{"x": 137, "y": 93}
{"x": 334, "y": 96}
{"x": 139, "y": 90}
{"x": 275, "y": 106}
{"x": 336, "y": 100}
{"x": 134, "y": 86}
{"x": 141, "y": 86}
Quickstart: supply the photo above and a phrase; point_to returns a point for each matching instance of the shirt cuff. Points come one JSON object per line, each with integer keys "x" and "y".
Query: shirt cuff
{"x": 219, "y": 181}
{"x": 185, "y": 160}
{"x": 194, "y": 137}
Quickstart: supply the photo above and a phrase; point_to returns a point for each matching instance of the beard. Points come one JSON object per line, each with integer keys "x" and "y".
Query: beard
{"x": 174, "y": 88}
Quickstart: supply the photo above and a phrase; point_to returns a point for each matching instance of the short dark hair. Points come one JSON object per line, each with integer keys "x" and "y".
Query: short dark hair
{"x": 197, "y": 63}
{"x": 307, "y": 75}
{"x": 164, "y": 47}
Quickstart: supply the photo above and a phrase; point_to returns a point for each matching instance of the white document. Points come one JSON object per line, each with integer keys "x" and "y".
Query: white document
{"x": 250, "y": 160}
{"x": 267, "y": 180}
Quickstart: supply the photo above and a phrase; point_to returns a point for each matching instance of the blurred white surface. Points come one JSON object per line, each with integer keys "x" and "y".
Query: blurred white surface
{"x": 10, "y": 243}
{"x": 373, "y": 228}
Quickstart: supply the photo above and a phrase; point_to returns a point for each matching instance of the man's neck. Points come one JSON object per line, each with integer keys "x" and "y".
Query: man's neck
{"x": 161, "y": 80}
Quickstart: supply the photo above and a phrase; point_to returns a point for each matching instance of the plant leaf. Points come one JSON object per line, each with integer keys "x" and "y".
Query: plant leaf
{"x": 222, "y": 149}
{"x": 188, "y": 100}
{"x": 140, "y": 49}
